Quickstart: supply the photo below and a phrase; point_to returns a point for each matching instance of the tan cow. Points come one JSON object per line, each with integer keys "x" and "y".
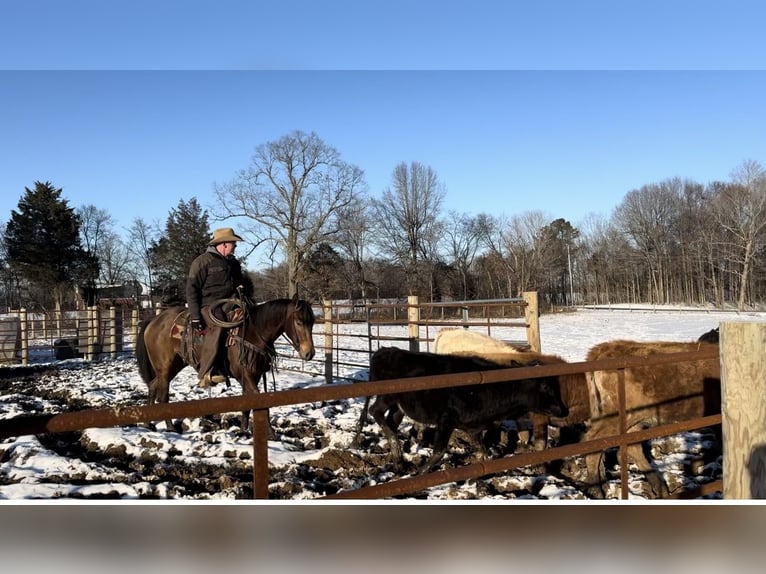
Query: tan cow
{"x": 654, "y": 395}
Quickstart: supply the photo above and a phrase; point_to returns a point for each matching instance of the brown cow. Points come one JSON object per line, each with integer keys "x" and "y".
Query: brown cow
{"x": 654, "y": 395}
{"x": 471, "y": 408}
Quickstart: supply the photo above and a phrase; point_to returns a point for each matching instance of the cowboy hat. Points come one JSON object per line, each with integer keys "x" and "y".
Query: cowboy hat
{"x": 224, "y": 235}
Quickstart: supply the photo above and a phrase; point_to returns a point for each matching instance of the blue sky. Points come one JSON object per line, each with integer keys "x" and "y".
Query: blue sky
{"x": 133, "y": 106}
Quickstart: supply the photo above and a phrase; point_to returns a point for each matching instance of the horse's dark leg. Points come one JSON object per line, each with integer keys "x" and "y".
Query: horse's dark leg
{"x": 265, "y": 379}
{"x": 247, "y": 425}
{"x": 159, "y": 391}
{"x": 249, "y": 387}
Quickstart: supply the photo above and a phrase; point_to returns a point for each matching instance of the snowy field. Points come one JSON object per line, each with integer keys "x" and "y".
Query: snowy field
{"x": 211, "y": 461}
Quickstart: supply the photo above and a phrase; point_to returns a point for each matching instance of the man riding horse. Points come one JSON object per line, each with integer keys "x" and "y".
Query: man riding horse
{"x": 215, "y": 274}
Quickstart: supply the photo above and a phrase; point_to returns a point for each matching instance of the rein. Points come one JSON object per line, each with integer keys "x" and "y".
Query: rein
{"x": 248, "y": 351}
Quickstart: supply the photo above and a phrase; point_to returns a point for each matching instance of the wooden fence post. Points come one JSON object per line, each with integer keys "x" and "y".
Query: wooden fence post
{"x": 743, "y": 409}
{"x": 413, "y": 319}
{"x": 24, "y": 336}
{"x": 532, "y": 316}
{"x": 327, "y": 310}
{"x": 92, "y": 334}
{"x": 135, "y": 319}
{"x": 112, "y": 314}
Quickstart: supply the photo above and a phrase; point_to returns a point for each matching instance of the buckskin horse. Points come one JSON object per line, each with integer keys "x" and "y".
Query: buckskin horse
{"x": 166, "y": 345}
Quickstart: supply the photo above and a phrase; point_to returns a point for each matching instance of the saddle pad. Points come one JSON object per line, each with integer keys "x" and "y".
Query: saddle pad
{"x": 178, "y": 327}
{"x": 177, "y": 331}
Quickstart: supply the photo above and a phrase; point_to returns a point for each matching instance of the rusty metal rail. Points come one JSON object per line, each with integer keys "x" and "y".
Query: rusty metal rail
{"x": 261, "y": 402}
{"x": 415, "y": 483}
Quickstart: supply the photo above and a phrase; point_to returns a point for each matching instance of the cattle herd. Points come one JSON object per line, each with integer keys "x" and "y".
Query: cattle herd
{"x": 582, "y": 406}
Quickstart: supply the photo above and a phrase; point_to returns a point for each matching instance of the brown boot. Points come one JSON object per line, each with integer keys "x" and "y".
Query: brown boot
{"x": 207, "y": 357}
{"x": 205, "y": 380}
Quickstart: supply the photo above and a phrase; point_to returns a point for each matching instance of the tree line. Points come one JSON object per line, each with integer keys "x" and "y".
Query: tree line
{"x": 325, "y": 235}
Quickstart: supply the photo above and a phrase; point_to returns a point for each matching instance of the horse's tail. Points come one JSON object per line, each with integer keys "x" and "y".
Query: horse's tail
{"x": 145, "y": 368}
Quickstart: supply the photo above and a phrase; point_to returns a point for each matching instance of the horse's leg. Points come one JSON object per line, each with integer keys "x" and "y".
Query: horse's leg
{"x": 159, "y": 390}
{"x": 249, "y": 387}
{"x": 158, "y": 358}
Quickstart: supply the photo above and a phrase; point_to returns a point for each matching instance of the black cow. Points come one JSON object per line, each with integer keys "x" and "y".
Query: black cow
{"x": 472, "y": 408}
{"x": 712, "y": 336}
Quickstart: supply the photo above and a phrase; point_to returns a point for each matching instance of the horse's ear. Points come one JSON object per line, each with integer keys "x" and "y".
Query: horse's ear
{"x": 295, "y": 298}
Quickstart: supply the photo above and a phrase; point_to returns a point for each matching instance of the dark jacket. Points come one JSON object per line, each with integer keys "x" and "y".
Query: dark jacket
{"x": 211, "y": 277}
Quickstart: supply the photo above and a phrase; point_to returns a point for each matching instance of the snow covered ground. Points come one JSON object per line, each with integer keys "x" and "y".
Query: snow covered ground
{"x": 211, "y": 461}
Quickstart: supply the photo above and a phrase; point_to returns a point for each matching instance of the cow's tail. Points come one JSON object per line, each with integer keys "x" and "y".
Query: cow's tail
{"x": 145, "y": 368}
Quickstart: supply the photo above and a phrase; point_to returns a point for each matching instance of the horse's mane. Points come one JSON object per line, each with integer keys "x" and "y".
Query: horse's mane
{"x": 304, "y": 311}
{"x": 273, "y": 312}
{"x": 268, "y": 312}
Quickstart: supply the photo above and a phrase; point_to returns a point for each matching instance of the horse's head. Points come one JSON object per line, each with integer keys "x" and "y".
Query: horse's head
{"x": 299, "y": 325}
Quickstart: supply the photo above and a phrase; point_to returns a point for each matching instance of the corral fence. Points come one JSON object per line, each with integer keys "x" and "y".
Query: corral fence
{"x": 91, "y": 334}
{"x": 414, "y": 324}
{"x": 260, "y": 403}
{"x": 743, "y": 378}
{"x": 99, "y": 333}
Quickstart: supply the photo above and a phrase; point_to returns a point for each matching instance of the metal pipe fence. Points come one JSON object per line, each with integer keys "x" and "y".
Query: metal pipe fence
{"x": 260, "y": 403}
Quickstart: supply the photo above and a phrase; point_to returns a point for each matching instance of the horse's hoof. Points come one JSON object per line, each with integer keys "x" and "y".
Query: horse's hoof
{"x": 174, "y": 426}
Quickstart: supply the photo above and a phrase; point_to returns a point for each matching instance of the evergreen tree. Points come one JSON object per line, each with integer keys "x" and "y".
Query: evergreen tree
{"x": 43, "y": 245}
{"x": 186, "y": 235}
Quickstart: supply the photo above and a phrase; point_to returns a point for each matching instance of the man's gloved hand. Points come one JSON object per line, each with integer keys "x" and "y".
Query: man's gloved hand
{"x": 199, "y": 326}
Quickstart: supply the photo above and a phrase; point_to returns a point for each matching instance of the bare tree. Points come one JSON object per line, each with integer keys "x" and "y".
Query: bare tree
{"x": 490, "y": 228}
{"x": 99, "y": 238}
{"x": 95, "y": 223}
{"x": 517, "y": 243}
{"x": 696, "y": 236}
{"x": 650, "y": 217}
{"x": 142, "y": 237}
{"x": 557, "y": 245}
{"x": 290, "y": 196}
{"x": 408, "y": 218}
{"x": 113, "y": 260}
{"x": 354, "y": 237}
{"x": 605, "y": 260}
{"x": 463, "y": 237}
{"x": 741, "y": 212}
